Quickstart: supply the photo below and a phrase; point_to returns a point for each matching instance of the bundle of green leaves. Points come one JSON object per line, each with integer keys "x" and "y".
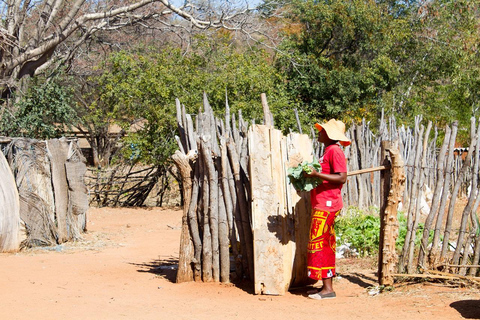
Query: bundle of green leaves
{"x": 299, "y": 181}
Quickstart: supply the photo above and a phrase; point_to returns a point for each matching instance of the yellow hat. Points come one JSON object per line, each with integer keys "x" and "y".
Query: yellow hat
{"x": 335, "y": 130}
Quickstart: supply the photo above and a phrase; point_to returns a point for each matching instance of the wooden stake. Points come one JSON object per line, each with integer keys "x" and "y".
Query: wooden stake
{"x": 242, "y": 203}
{"x": 379, "y": 168}
{"x": 385, "y": 184}
{"x": 267, "y": 116}
{"x": 389, "y": 255}
{"x": 185, "y": 272}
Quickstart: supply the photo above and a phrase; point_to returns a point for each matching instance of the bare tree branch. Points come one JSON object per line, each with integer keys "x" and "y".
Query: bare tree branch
{"x": 31, "y": 32}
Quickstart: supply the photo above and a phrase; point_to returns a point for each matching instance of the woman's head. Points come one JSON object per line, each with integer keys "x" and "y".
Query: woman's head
{"x": 334, "y": 130}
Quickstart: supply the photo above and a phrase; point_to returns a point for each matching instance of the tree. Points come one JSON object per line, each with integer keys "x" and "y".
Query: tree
{"x": 37, "y": 34}
{"x": 339, "y": 61}
{"x": 141, "y": 87}
{"x": 441, "y": 75}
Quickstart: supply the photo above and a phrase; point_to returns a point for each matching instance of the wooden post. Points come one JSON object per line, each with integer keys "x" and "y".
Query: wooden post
{"x": 193, "y": 223}
{"x": 243, "y": 208}
{"x": 57, "y": 152}
{"x": 267, "y": 116}
{"x": 389, "y": 223}
{"x": 385, "y": 184}
{"x": 185, "y": 271}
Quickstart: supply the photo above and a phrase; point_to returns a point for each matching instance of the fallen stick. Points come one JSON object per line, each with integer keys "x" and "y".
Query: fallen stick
{"x": 476, "y": 279}
{"x": 442, "y": 275}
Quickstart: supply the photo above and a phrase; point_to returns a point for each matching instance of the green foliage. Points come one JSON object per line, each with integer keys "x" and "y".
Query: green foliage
{"x": 350, "y": 59}
{"x": 340, "y": 51}
{"x": 446, "y": 65}
{"x": 44, "y": 112}
{"x": 362, "y": 231}
{"x": 299, "y": 181}
{"x": 144, "y": 85}
{"x": 402, "y": 232}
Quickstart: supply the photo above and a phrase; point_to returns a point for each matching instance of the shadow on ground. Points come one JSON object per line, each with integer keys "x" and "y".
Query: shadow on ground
{"x": 361, "y": 280}
{"x": 469, "y": 309}
{"x": 164, "y": 268}
{"x": 167, "y": 269}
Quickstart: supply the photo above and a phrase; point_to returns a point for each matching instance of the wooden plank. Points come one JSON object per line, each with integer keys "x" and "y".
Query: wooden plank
{"x": 299, "y": 148}
{"x": 10, "y": 222}
{"x": 267, "y": 115}
{"x": 280, "y": 215}
{"x": 77, "y": 198}
{"x": 34, "y": 183}
{"x": 279, "y": 176}
{"x": 58, "y": 151}
{"x": 267, "y": 213}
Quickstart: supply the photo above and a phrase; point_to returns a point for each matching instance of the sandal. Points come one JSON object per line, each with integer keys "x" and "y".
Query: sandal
{"x": 322, "y": 296}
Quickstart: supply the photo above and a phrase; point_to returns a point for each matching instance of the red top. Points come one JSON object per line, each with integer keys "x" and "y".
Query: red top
{"x": 328, "y": 196}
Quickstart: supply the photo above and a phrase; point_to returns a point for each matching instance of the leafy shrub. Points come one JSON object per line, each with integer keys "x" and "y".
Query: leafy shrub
{"x": 402, "y": 232}
{"x": 361, "y": 230}
{"x": 43, "y": 112}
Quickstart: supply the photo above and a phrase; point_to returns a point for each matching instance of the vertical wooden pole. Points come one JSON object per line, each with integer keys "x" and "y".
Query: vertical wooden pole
{"x": 385, "y": 180}
{"x": 57, "y": 152}
{"x": 193, "y": 223}
{"x": 267, "y": 116}
{"x": 185, "y": 271}
{"x": 435, "y": 201}
{"x": 389, "y": 222}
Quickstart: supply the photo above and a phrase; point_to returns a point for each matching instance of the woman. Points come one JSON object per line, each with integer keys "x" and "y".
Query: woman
{"x": 326, "y": 200}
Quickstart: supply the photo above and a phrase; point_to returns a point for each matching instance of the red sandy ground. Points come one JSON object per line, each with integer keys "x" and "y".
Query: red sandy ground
{"x": 124, "y": 268}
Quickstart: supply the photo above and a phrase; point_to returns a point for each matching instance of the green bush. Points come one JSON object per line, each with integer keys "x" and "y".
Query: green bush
{"x": 43, "y": 112}
{"x": 361, "y": 230}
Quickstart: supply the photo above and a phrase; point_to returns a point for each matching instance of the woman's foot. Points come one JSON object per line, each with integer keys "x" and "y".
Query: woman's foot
{"x": 322, "y": 296}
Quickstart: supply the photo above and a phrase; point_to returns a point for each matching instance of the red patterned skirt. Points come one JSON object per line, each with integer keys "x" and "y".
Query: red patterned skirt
{"x": 322, "y": 245}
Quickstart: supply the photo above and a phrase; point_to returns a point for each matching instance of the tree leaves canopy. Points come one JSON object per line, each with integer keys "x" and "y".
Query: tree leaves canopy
{"x": 144, "y": 85}
{"x": 340, "y": 61}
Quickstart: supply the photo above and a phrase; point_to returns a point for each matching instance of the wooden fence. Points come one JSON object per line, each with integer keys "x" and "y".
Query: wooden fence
{"x": 214, "y": 162}
{"x": 51, "y": 197}
{"x": 440, "y": 200}
{"x": 132, "y": 185}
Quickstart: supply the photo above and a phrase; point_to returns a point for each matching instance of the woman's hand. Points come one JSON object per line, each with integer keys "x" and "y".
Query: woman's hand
{"x": 312, "y": 172}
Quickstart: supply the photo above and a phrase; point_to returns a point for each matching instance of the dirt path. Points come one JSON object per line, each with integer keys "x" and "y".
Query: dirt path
{"x": 125, "y": 269}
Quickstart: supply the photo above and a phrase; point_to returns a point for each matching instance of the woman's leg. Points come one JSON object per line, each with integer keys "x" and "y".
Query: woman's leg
{"x": 327, "y": 285}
